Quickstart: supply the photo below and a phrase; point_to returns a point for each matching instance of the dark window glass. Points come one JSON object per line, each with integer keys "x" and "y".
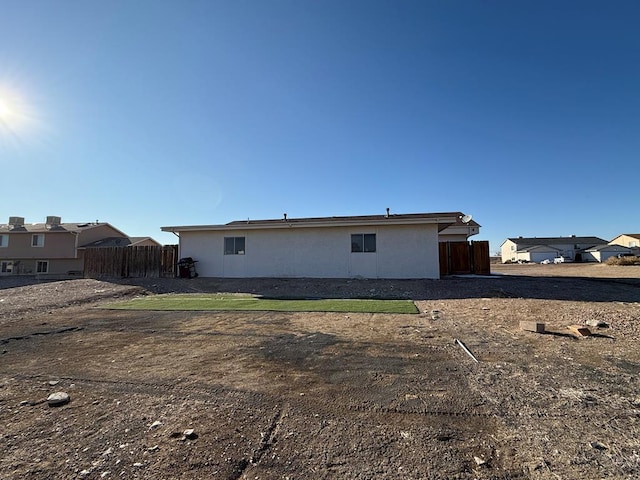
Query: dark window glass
{"x": 234, "y": 245}
{"x": 357, "y": 243}
{"x": 363, "y": 242}
{"x": 369, "y": 242}
{"x": 228, "y": 245}
{"x": 239, "y": 246}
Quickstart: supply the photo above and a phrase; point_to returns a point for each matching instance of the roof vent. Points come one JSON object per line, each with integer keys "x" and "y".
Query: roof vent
{"x": 53, "y": 222}
{"x": 387, "y": 215}
{"x": 284, "y": 215}
{"x": 16, "y": 221}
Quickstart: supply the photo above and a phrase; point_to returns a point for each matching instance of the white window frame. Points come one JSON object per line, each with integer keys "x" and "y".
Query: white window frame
{"x": 40, "y": 263}
{"x": 238, "y": 248}
{"x": 37, "y": 240}
{"x": 364, "y": 244}
{"x": 4, "y": 241}
{"x": 6, "y": 266}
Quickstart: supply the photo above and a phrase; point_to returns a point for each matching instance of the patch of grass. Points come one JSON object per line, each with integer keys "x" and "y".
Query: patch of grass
{"x": 217, "y": 302}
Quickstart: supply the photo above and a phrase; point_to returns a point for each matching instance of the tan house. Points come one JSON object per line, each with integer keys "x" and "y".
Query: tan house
{"x": 629, "y": 240}
{"x": 53, "y": 247}
{"x": 369, "y": 246}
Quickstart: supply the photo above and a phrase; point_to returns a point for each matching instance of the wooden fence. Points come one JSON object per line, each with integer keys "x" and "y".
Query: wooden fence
{"x": 131, "y": 261}
{"x": 457, "y": 258}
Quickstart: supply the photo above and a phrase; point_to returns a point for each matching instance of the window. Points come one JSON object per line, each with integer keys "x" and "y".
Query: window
{"x": 4, "y": 240}
{"x": 363, "y": 242}
{"x": 632, "y": 244}
{"x": 42, "y": 266}
{"x": 6, "y": 267}
{"x": 234, "y": 245}
{"x": 37, "y": 240}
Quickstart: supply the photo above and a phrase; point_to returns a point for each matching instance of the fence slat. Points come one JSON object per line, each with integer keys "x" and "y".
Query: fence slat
{"x": 145, "y": 261}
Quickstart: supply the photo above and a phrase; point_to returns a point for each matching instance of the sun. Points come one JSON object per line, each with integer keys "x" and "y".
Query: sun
{"x": 5, "y": 110}
{"x": 9, "y": 113}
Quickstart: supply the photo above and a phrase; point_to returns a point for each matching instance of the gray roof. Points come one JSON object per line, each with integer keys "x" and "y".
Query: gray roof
{"x": 337, "y": 219}
{"x": 608, "y": 248}
{"x": 443, "y": 220}
{"x": 526, "y": 241}
{"x": 109, "y": 242}
{"x": 43, "y": 227}
{"x": 545, "y": 248}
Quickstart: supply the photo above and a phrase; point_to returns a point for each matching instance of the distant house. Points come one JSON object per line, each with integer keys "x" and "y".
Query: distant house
{"x": 371, "y": 246}
{"x": 538, "y": 249}
{"x": 629, "y": 240}
{"x": 53, "y": 247}
{"x": 600, "y": 253}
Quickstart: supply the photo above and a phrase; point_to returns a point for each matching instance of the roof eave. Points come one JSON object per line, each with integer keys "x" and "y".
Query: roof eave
{"x": 443, "y": 221}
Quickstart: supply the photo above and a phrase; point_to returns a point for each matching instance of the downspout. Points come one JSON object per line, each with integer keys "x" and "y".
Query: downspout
{"x": 175, "y": 266}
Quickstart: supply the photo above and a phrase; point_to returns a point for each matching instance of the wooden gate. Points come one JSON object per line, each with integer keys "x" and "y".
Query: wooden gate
{"x": 459, "y": 258}
{"x": 148, "y": 261}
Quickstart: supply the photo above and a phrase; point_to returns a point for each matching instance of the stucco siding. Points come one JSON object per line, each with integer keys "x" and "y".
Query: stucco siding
{"x": 56, "y": 245}
{"x": 506, "y": 251}
{"x": 626, "y": 241}
{"x": 401, "y": 252}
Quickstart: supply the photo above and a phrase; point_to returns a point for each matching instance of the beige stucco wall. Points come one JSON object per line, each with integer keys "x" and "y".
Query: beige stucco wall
{"x": 401, "y": 252}
{"x": 56, "y": 245}
{"x": 625, "y": 241}
{"x": 506, "y": 254}
{"x": 97, "y": 232}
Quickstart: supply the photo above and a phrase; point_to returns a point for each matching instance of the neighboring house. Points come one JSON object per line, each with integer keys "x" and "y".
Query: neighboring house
{"x": 52, "y": 247}
{"x": 373, "y": 246}
{"x": 123, "y": 242}
{"x": 600, "y": 253}
{"x": 538, "y": 249}
{"x": 629, "y": 240}
{"x": 143, "y": 242}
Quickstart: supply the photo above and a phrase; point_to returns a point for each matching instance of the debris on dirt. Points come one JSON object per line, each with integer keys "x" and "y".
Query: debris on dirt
{"x": 530, "y": 326}
{"x": 436, "y": 314}
{"x": 479, "y": 461}
{"x": 464, "y": 347}
{"x": 579, "y": 330}
{"x": 598, "y": 445}
{"x": 156, "y": 424}
{"x": 190, "y": 434}
{"x": 58, "y": 399}
{"x": 596, "y": 323}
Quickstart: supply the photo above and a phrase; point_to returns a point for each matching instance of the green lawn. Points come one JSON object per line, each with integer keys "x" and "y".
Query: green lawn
{"x": 217, "y": 302}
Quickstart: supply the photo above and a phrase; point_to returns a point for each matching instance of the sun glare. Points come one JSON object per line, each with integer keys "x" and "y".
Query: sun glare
{"x": 16, "y": 117}
{"x": 5, "y": 110}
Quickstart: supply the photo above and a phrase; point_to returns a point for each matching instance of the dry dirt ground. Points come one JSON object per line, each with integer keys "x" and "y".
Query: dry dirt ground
{"x": 324, "y": 396}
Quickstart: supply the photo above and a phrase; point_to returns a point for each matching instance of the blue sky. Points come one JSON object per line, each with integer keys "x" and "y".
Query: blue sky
{"x": 143, "y": 114}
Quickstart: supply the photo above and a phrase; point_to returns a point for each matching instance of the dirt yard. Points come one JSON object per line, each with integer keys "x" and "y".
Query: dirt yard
{"x": 232, "y": 395}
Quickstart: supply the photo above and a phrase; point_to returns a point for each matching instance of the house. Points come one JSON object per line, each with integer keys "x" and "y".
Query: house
{"x": 629, "y": 240}
{"x": 53, "y": 247}
{"x": 371, "y": 246}
{"x": 600, "y": 253}
{"x": 538, "y": 249}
